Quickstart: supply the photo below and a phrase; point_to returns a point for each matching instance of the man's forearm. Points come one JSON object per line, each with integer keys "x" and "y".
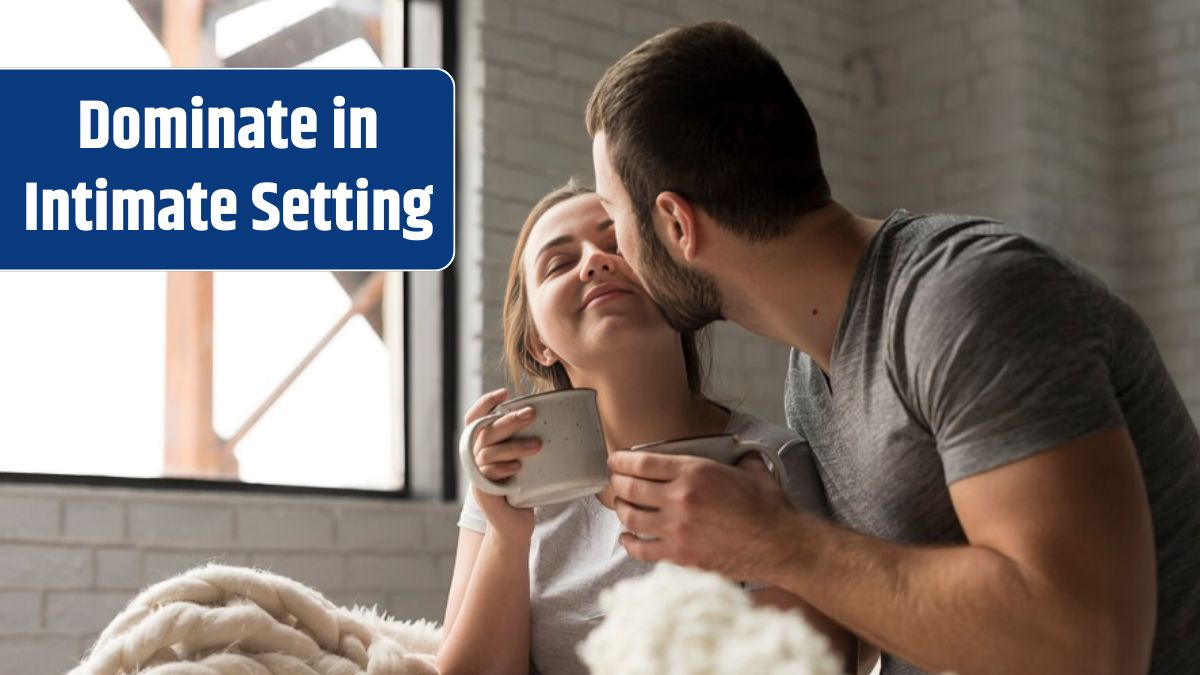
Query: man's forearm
{"x": 962, "y": 608}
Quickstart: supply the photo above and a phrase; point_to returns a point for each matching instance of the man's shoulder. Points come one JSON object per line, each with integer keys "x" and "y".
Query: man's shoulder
{"x": 910, "y": 241}
{"x": 944, "y": 264}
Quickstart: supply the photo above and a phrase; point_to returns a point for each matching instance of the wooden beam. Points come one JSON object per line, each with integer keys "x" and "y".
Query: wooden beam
{"x": 183, "y": 21}
{"x": 192, "y": 446}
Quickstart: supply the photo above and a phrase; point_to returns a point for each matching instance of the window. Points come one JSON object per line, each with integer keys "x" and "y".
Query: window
{"x": 266, "y": 378}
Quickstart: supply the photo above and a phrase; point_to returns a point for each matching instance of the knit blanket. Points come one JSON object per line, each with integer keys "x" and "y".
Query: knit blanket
{"x": 221, "y": 620}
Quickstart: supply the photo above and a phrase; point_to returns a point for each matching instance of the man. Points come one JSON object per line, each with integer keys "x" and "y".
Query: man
{"x": 1013, "y": 479}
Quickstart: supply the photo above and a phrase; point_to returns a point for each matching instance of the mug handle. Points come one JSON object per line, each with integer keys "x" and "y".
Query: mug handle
{"x": 466, "y": 453}
{"x": 769, "y": 457}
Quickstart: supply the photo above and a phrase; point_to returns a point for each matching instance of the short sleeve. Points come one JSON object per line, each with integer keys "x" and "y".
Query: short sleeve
{"x": 1004, "y": 349}
{"x": 472, "y": 517}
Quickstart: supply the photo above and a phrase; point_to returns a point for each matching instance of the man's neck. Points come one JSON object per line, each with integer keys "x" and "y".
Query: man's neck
{"x": 794, "y": 290}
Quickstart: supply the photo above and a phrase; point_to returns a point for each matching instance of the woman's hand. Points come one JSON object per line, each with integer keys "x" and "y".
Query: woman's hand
{"x": 499, "y": 456}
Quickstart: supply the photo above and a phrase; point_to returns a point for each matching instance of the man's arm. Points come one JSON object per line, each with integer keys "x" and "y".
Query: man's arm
{"x": 1058, "y": 575}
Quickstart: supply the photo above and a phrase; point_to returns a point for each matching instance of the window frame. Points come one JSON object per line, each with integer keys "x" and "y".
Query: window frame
{"x": 433, "y": 476}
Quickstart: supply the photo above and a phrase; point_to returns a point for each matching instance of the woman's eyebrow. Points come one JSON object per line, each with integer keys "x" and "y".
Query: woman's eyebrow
{"x": 557, "y": 241}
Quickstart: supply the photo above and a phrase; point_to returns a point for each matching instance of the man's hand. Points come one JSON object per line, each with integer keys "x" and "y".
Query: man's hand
{"x": 699, "y": 512}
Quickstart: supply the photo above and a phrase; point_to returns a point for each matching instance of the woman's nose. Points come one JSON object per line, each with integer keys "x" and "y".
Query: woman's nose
{"x": 597, "y": 261}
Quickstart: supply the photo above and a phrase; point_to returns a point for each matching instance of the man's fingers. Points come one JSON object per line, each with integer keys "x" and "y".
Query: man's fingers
{"x": 484, "y": 404}
{"x": 505, "y": 428}
{"x": 648, "y": 465}
{"x": 509, "y": 451}
{"x": 649, "y": 550}
{"x": 752, "y": 461}
{"x": 638, "y": 520}
{"x": 639, "y": 491}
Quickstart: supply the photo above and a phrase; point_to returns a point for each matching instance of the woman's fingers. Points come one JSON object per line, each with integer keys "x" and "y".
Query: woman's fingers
{"x": 485, "y": 404}
{"x": 504, "y": 428}
{"x": 499, "y": 471}
{"x": 508, "y": 451}
{"x": 497, "y": 453}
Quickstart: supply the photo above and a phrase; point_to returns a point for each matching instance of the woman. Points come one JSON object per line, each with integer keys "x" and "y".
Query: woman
{"x": 526, "y": 582}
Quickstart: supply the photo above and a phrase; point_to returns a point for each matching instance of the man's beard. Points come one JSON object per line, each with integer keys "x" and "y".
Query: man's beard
{"x": 688, "y": 299}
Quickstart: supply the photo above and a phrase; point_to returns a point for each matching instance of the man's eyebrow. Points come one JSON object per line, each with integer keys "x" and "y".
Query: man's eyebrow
{"x": 604, "y": 224}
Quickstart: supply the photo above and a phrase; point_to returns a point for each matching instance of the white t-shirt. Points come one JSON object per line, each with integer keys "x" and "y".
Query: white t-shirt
{"x": 575, "y": 553}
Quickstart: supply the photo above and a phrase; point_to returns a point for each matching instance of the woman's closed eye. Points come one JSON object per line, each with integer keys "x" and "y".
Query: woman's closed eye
{"x": 557, "y": 264}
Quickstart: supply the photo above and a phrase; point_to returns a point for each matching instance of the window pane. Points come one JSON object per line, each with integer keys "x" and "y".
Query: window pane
{"x": 81, "y": 372}
{"x": 330, "y": 428}
{"x": 83, "y": 356}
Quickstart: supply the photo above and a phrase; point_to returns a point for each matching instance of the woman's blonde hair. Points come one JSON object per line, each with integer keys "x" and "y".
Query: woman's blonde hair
{"x": 526, "y": 374}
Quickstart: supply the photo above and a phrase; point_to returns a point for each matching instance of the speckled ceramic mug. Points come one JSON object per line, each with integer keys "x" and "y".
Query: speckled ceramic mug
{"x": 723, "y": 448}
{"x": 573, "y": 461}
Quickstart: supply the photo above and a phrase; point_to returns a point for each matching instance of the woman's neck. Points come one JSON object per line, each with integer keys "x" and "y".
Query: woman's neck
{"x": 647, "y": 400}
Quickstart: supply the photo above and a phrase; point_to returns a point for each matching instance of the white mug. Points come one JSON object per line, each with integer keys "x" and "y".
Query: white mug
{"x": 573, "y": 461}
{"x": 724, "y": 448}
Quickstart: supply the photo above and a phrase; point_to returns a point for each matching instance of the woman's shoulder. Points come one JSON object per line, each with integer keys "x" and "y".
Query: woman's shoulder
{"x": 751, "y": 428}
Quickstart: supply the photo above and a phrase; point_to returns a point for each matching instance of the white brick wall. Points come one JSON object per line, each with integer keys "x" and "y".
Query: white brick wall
{"x": 1154, "y": 62}
{"x": 72, "y": 557}
{"x": 1079, "y": 126}
{"x": 949, "y": 124}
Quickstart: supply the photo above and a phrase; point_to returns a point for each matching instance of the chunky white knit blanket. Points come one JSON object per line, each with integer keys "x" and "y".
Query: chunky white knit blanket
{"x": 219, "y": 620}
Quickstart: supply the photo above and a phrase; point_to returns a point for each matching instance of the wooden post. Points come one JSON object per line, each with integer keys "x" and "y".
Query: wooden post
{"x": 183, "y": 21}
{"x": 192, "y": 445}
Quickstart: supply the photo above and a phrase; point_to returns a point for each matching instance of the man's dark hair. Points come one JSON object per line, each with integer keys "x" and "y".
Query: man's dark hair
{"x": 707, "y": 112}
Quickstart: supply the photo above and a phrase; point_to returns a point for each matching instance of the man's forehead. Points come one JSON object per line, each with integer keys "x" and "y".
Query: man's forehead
{"x": 600, "y": 154}
{"x": 607, "y": 185}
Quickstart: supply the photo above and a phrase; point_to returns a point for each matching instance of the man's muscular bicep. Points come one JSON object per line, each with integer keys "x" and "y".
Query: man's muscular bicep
{"x": 1075, "y": 520}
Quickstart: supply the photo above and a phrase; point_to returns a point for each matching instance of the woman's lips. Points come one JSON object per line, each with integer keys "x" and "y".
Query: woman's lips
{"x": 604, "y": 297}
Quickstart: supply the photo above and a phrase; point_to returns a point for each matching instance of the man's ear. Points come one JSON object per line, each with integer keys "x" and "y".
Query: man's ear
{"x": 539, "y": 351}
{"x": 682, "y": 234}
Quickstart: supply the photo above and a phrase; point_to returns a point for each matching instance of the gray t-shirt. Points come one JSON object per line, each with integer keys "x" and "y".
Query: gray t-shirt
{"x": 575, "y": 553}
{"x": 965, "y": 346}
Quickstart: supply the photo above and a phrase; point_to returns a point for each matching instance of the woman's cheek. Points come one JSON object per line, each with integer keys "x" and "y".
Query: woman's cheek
{"x": 555, "y": 314}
